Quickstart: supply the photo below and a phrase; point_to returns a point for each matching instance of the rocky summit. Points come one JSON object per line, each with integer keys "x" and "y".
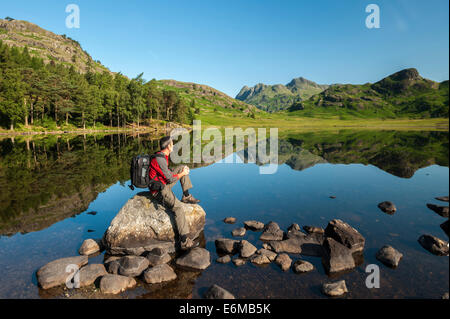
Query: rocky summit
{"x": 143, "y": 225}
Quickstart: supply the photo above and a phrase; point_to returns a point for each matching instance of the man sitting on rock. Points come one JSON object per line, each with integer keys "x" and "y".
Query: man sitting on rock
{"x": 159, "y": 171}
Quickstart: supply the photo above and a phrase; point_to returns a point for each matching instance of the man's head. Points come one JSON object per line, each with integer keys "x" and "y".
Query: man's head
{"x": 166, "y": 143}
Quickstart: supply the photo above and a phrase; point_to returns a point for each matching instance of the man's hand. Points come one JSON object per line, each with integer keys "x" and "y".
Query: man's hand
{"x": 185, "y": 171}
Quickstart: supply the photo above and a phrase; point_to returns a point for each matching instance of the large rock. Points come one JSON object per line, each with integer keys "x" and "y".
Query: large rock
{"x": 253, "y": 225}
{"x": 440, "y": 210}
{"x": 336, "y": 257}
{"x": 345, "y": 234}
{"x": 268, "y": 253}
{"x": 196, "y": 258}
{"x": 291, "y": 246}
{"x": 143, "y": 224}
{"x": 217, "y": 292}
{"x": 311, "y": 244}
{"x": 56, "y": 272}
{"x": 114, "y": 284}
{"x": 389, "y": 256}
{"x": 246, "y": 249}
{"x": 158, "y": 256}
{"x": 284, "y": 261}
{"x": 159, "y": 273}
{"x": 434, "y": 245}
{"x": 302, "y": 266}
{"x": 90, "y": 273}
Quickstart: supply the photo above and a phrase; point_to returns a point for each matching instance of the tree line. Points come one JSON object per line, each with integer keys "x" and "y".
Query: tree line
{"x": 52, "y": 94}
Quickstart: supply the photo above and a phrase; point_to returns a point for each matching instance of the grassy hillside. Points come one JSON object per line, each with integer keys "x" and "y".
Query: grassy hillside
{"x": 47, "y": 45}
{"x": 278, "y": 97}
{"x": 403, "y": 94}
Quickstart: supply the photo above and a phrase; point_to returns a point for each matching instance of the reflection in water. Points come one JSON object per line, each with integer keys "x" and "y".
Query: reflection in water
{"x": 46, "y": 180}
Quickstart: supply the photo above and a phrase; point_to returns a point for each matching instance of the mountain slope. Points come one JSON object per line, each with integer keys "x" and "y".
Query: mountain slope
{"x": 279, "y": 97}
{"x": 47, "y": 45}
{"x": 404, "y": 93}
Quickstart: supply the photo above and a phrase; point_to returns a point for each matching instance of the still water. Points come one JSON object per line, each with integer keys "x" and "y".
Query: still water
{"x": 58, "y": 191}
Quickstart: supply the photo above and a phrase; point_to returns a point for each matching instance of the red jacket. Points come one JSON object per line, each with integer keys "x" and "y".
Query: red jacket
{"x": 159, "y": 170}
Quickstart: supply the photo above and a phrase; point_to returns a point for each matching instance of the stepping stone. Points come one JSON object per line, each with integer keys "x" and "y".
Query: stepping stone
{"x": 90, "y": 273}
{"x": 302, "y": 266}
{"x": 196, "y": 258}
{"x": 268, "y": 253}
{"x": 284, "y": 261}
{"x": 158, "y": 256}
{"x": 253, "y": 225}
{"x": 238, "y": 232}
{"x": 260, "y": 259}
{"x": 55, "y": 273}
{"x": 335, "y": 289}
{"x": 89, "y": 247}
{"x": 442, "y": 198}
{"x": 114, "y": 284}
{"x": 246, "y": 249}
{"x": 224, "y": 259}
{"x": 272, "y": 232}
{"x": 132, "y": 266}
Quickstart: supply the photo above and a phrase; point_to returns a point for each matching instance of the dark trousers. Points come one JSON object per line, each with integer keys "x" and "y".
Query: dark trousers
{"x": 169, "y": 200}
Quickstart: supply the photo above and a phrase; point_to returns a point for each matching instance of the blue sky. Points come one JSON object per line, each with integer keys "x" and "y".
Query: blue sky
{"x": 229, "y": 44}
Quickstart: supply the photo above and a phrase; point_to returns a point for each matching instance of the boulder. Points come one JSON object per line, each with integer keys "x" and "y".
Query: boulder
{"x": 246, "y": 249}
{"x": 334, "y": 289}
{"x": 89, "y": 247}
{"x": 387, "y": 207}
{"x": 132, "y": 266}
{"x": 434, "y": 245}
{"x": 389, "y": 256}
{"x": 56, "y": 272}
{"x": 272, "y": 232}
{"x": 90, "y": 273}
{"x": 224, "y": 259}
{"x": 294, "y": 227}
{"x": 284, "y": 261}
{"x": 217, "y": 292}
{"x": 196, "y": 258}
{"x": 268, "y": 253}
{"x": 302, "y": 266}
{"x": 238, "y": 232}
{"x": 345, "y": 234}
{"x": 253, "y": 225}
{"x": 227, "y": 246}
{"x": 311, "y": 244}
{"x": 143, "y": 224}
{"x": 440, "y": 210}
{"x": 336, "y": 257}
{"x": 114, "y": 284}
{"x": 158, "y": 256}
{"x": 229, "y": 220}
{"x": 159, "y": 273}
{"x": 314, "y": 230}
{"x": 291, "y": 246}
{"x": 444, "y": 226}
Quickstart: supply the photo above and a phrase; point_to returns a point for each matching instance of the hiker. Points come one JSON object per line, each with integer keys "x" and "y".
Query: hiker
{"x": 162, "y": 181}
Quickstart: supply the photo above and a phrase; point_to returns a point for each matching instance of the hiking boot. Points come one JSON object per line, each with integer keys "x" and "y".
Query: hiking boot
{"x": 190, "y": 199}
{"x": 187, "y": 243}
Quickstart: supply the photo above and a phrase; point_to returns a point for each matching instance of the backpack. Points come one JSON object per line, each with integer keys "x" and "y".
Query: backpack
{"x": 139, "y": 170}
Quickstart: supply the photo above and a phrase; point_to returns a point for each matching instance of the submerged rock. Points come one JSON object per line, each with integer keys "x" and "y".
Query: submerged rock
{"x": 143, "y": 224}
{"x": 336, "y": 257}
{"x": 268, "y": 253}
{"x": 55, "y": 273}
{"x": 253, "y": 225}
{"x": 442, "y": 198}
{"x": 246, "y": 249}
{"x": 440, "y": 210}
{"x": 90, "y": 273}
{"x": 217, "y": 292}
{"x": 387, "y": 207}
{"x": 284, "y": 261}
{"x": 272, "y": 232}
{"x": 89, "y": 247}
{"x": 114, "y": 284}
{"x": 312, "y": 244}
{"x": 238, "y": 232}
{"x": 345, "y": 234}
{"x": 159, "y": 273}
{"x": 291, "y": 246}
{"x": 434, "y": 245}
{"x": 302, "y": 266}
{"x": 334, "y": 289}
{"x": 238, "y": 261}
{"x": 229, "y": 220}
{"x": 224, "y": 259}
{"x": 228, "y": 246}
{"x": 260, "y": 259}
{"x": 197, "y": 258}
{"x": 389, "y": 256}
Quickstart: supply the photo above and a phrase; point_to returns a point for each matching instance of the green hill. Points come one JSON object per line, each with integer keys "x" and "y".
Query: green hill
{"x": 278, "y": 97}
{"x": 402, "y": 94}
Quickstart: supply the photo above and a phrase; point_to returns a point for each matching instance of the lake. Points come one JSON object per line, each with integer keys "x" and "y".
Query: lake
{"x": 57, "y": 191}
